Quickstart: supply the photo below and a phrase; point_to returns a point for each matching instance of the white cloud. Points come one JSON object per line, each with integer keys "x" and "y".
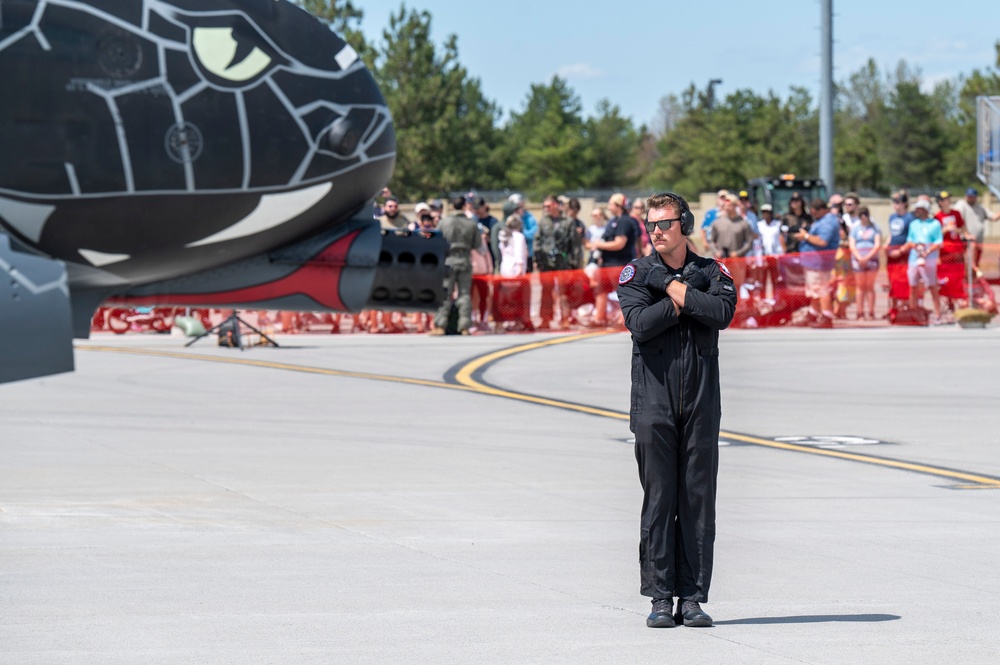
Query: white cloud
{"x": 579, "y": 71}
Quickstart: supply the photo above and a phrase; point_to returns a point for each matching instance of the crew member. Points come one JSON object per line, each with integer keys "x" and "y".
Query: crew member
{"x": 675, "y": 303}
{"x": 462, "y": 233}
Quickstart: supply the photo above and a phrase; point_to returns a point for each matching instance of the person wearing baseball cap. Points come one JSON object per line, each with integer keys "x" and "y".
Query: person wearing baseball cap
{"x": 529, "y": 226}
{"x": 816, "y": 252}
{"x": 772, "y": 245}
{"x": 951, "y": 220}
{"x": 975, "y": 216}
{"x": 924, "y": 240}
{"x": 710, "y": 216}
{"x": 420, "y": 212}
{"x": 437, "y": 210}
{"x": 746, "y": 207}
{"x": 896, "y": 252}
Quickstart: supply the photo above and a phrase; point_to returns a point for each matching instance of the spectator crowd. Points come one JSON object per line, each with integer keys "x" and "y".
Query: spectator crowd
{"x": 831, "y": 251}
{"x": 823, "y": 257}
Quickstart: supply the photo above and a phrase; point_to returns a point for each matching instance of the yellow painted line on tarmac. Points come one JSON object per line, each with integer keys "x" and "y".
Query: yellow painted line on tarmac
{"x": 464, "y": 377}
{"x": 273, "y": 365}
{"x": 466, "y": 381}
{"x": 981, "y": 482}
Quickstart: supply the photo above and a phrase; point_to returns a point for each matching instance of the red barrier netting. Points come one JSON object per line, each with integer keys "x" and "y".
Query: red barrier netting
{"x": 772, "y": 293}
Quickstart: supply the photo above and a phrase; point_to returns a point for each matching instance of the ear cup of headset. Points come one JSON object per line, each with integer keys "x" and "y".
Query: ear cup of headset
{"x": 687, "y": 218}
{"x": 687, "y": 221}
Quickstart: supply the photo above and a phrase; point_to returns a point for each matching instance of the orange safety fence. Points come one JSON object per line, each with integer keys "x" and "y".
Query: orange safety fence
{"x": 772, "y": 293}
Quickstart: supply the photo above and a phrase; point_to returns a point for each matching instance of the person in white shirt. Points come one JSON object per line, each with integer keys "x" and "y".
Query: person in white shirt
{"x": 852, "y": 204}
{"x": 513, "y": 248}
{"x": 772, "y": 245}
{"x": 512, "y": 296}
{"x": 598, "y": 223}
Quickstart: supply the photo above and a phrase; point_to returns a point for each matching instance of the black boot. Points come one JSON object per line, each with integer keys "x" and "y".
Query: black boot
{"x": 660, "y": 617}
{"x": 689, "y": 613}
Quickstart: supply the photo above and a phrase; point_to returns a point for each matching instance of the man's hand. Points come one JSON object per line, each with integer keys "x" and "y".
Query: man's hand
{"x": 658, "y": 278}
{"x": 695, "y": 278}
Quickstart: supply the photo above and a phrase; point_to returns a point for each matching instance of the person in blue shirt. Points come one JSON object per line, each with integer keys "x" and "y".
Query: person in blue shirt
{"x": 899, "y": 220}
{"x": 923, "y": 240}
{"x": 816, "y": 252}
{"x": 530, "y": 225}
{"x": 895, "y": 252}
{"x": 746, "y": 206}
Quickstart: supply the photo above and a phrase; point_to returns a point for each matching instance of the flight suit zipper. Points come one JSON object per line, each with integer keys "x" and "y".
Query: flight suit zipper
{"x": 680, "y": 391}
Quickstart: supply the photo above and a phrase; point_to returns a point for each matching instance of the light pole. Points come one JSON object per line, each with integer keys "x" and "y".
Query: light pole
{"x": 826, "y": 99}
{"x": 711, "y": 92}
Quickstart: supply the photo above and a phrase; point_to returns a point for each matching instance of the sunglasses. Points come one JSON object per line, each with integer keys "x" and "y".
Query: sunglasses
{"x": 663, "y": 224}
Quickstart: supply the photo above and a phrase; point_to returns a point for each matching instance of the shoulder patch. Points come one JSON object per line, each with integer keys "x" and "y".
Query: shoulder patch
{"x": 628, "y": 272}
{"x": 724, "y": 269}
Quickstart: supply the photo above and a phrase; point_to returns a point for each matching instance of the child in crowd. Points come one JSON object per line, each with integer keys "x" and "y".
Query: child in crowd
{"x": 512, "y": 296}
{"x": 598, "y": 222}
{"x": 843, "y": 275}
{"x": 865, "y": 241}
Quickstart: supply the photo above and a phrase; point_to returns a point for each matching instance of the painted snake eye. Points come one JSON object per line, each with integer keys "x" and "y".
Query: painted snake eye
{"x": 225, "y": 54}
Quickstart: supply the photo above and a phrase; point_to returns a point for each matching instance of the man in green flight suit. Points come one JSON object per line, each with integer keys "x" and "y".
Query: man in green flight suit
{"x": 557, "y": 249}
{"x": 462, "y": 234}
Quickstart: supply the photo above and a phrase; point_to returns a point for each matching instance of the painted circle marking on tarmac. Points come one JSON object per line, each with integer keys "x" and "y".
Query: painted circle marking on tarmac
{"x": 830, "y": 441}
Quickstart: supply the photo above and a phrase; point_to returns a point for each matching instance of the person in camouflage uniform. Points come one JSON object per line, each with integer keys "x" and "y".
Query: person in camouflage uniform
{"x": 557, "y": 247}
{"x": 462, "y": 234}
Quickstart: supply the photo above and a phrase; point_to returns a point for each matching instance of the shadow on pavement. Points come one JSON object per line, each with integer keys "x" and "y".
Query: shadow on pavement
{"x": 812, "y": 618}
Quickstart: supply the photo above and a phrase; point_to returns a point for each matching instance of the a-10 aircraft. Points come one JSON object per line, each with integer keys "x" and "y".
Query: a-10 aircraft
{"x": 188, "y": 152}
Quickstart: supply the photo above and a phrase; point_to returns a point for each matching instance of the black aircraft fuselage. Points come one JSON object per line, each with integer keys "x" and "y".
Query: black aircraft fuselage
{"x": 193, "y": 152}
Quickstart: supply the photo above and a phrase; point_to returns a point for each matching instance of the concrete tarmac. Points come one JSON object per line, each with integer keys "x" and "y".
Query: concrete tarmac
{"x": 368, "y": 499}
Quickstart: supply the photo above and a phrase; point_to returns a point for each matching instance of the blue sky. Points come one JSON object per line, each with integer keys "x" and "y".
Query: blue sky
{"x": 616, "y": 50}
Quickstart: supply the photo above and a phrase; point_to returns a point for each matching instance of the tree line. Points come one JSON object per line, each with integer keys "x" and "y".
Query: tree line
{"x": 891, "y": 129}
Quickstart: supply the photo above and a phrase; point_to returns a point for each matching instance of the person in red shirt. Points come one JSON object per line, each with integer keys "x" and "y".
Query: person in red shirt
{"x": 952, "y": 224}
{"x": 951, "y": 265}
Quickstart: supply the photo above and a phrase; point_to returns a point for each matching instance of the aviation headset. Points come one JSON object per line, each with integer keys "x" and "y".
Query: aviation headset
{"x": 687, "y": 218}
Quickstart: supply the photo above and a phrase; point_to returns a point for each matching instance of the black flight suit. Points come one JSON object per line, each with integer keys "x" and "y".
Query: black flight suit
{"x": 675, "y": 415}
